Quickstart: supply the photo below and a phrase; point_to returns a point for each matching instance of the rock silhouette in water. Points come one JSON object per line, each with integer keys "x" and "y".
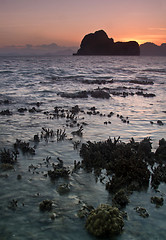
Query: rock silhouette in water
{"x": 99, "y": 43}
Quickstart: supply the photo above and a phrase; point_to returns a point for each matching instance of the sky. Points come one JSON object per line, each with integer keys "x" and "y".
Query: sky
{"x": 66, "y": 22}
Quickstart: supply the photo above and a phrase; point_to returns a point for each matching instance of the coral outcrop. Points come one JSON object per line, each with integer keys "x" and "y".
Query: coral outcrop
{"x": 105, "y": 221}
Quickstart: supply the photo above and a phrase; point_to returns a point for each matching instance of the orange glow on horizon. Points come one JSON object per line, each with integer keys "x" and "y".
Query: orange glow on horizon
{"x": 67, "y": 22}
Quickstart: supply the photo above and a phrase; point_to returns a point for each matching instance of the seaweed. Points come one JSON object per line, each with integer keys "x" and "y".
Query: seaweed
{"x": 8, "y": 156}
{"x": 24, "y": 147}
{"x": 125, "y": 162}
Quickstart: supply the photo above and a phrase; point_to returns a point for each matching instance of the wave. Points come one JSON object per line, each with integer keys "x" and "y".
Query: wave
{"x": 157, "y": 70}
{"x": 5, "y": 71}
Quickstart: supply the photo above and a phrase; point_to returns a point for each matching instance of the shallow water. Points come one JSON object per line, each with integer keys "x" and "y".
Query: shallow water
{"x": 28, "y": 80}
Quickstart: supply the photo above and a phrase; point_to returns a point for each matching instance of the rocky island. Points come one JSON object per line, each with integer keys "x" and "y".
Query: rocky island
{"x": 99, "y": 43}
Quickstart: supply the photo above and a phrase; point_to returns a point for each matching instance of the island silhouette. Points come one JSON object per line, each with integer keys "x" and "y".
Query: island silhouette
{"x": 99, "y": 43}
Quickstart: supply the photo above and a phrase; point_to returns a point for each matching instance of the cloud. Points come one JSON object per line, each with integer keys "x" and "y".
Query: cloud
{"x": 159, "y": 29}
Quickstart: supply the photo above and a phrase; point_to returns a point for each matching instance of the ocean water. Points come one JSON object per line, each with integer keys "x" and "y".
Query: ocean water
{"x": 137, "y": 88}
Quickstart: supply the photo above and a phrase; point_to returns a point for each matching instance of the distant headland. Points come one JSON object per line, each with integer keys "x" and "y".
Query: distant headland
{"x": 99, "y": 43}
{"x": 151, "y": 49}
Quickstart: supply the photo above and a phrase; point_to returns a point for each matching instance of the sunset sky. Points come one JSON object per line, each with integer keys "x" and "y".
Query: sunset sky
{"x": 65, "y": 22}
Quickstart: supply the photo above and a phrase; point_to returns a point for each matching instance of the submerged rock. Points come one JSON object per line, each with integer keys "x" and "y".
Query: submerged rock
{"x": 81, "y": 94}
{"x": 142, "y": 212}
{"x": 63, "y": 188}
{"x": 100, "y": 94}
{"x": 59, "y": 171}
{"x": 120, "y": 199}
{"x": 6, "y": 166}
{"x": 85, "y": 211}
{"x": 22, "y": 110}
{"x": 46, "y": 205}
{"x": 142, "y": 82}
{"x": 6, "y": 112}
{"x": 157, "y": 200}
{"x": 105, "y": 221}
{"x": 160, "y": 123}
{"x": 97, "y": 81}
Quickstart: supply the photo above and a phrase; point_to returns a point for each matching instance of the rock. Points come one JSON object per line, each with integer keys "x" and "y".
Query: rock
{"x": 105, "y": 221}
{"x": 19, "y": 177}
{"x": 63, "y": 188}
{"x": 46, "y": 205}
{"x": 99, "y": 82}
{"x": 85, "y": 211}
{"x": 142, "y": 212}
{"x": 98, "y": 43}
{"x": 75, "y": 109}
{"x": 160, "y": 123}
{"x": 6, "y": 101}
{"x": 142, "y": 82}
{"x": 53, "y": 216}
{"x": 6, "y": 112}
{"x": 58, "y": 172}
{"x": 81, "y": 94}
{"x": 157, "y": 200}
{"x": 100, "y": 94}
{"x": 6, "y": 166}
{"x": 120, "y": 199}
{"x": 149, "y": 95}
{"x": 22, "y": 110}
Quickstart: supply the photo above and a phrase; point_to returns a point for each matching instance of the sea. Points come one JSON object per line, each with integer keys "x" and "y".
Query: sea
{"x": 130, "y": 103}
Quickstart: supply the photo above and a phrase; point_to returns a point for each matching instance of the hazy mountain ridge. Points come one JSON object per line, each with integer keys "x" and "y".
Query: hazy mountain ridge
{"x": 146, "y": 49}
{"x": 151, "y": 49}
{"x": 39, "y": 50}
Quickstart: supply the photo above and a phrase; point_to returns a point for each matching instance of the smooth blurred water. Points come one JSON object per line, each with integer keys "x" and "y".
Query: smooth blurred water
{"x": 28, "y": 80}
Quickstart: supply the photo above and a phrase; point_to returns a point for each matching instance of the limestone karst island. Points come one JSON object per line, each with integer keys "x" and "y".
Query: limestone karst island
{"x": 99, "y": 43}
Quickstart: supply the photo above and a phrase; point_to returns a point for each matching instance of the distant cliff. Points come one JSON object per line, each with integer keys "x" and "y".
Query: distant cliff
{"x": 98, "y": 43}
{"x": 151, "y": 49}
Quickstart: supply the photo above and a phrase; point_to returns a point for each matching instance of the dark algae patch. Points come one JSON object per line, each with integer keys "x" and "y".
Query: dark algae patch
{"x": 126, "y": 164}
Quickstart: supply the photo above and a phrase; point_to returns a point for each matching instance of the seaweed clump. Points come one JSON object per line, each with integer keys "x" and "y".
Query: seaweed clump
{"x": 58, "y": 171}
{"x": 24, "y": 147}
{"x": 125, "y": 162}
{"x": 161, "y": 150}
{"x": 104, "y": 221}
{"x": 159, "y": 172}
{"x": 8, "y": 157}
